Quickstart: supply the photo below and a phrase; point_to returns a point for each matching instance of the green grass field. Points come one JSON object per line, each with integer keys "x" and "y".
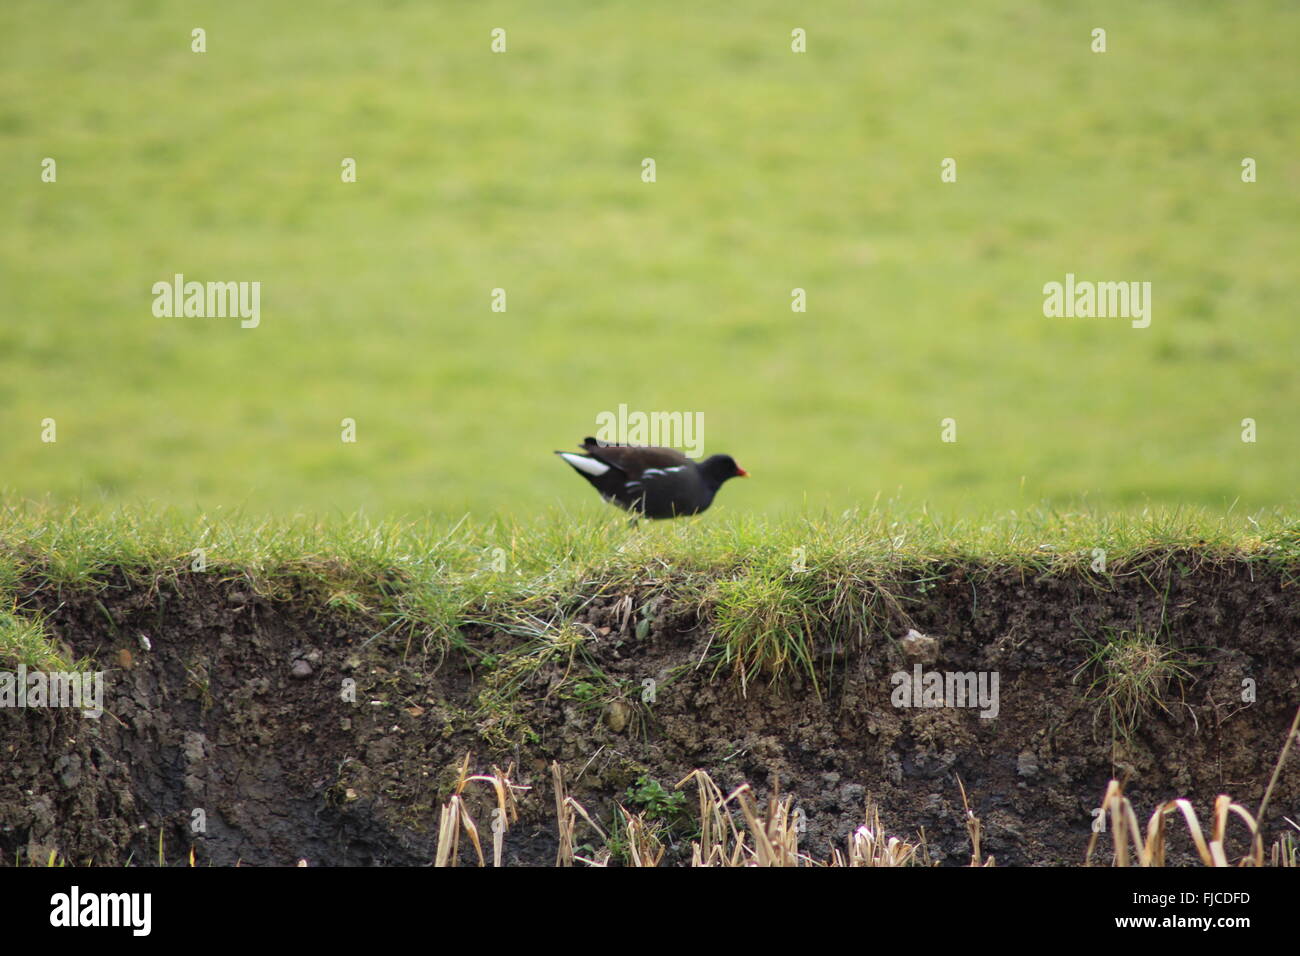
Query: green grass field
{"x": 522, "y": 171}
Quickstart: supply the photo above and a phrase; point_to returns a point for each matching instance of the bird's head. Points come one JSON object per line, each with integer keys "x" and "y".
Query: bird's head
{"x": 719, "y": 468}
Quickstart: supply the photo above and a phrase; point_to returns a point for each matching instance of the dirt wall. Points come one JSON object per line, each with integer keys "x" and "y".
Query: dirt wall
{"x": 229, "y": 703}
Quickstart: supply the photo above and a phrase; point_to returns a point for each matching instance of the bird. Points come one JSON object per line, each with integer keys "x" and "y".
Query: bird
{"x": 652, "y": 482}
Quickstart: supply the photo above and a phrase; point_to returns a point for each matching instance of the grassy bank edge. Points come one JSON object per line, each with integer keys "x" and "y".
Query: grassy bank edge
{"x": 766, "y": 586}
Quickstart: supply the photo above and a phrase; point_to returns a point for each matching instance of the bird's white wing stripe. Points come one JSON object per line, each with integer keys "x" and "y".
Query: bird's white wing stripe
{"x": 584, "y": 464}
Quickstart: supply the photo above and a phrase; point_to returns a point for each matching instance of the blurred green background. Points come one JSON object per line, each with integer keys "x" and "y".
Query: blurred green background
{"x": 522, "y": 171}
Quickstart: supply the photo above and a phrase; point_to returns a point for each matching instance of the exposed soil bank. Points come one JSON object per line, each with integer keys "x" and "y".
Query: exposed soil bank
{"x": 235, "y": 710}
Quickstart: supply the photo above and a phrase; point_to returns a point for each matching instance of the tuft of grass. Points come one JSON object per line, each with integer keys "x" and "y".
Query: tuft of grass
{"x": 26, "y": 641}
{"x": 1133, "y": 675}
{"x": 764, "y": 627}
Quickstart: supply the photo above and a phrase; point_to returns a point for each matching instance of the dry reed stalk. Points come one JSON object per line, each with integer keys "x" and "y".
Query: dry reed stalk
{"x": 452, "y": 819}
{"x": 1291, "y": 736}
{"x": 975, "y": 828}
{"x": 1150, "y": 851}
{"x": 455, "y": 816}
{"x": 644, "y": 847}
{"x": 567, "y": 811}
{"x": 721, "y": 843}
{"x": 868, "y": 846}
{"x": 507, "y": 811}
{"x": 775, "y": 836}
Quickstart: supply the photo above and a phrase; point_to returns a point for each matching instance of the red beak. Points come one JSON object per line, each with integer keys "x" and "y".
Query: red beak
{"x": 741, "y": 472}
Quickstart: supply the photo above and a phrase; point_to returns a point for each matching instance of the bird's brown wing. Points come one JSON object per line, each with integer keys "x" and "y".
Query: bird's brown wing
{"x": 633, "y": 460}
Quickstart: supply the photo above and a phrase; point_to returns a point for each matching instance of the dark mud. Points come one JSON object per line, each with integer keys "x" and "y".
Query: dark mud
{"x": 229, "y": 713}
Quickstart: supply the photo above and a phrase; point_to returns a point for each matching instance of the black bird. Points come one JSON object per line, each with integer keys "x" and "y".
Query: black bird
{"x": 654, "y": 482}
